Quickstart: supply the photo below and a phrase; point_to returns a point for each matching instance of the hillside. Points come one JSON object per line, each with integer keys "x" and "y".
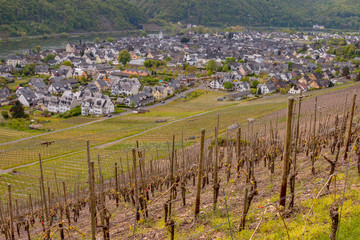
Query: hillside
{"x": 281, "y": 13}
{"x": 48, "y": 16}
{"x": 133, "y": 194}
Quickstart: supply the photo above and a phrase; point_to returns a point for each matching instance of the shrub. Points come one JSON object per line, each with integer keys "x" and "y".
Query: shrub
{"x": 5, "y": 114}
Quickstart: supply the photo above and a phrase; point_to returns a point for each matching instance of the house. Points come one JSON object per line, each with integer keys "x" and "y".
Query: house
{"x": 4, "y": 94}
{"x": 296, "y": 89}
{"x": 53, "y": 104}
{"x": 102, "y": 85}
{"x": 63, "y": 71}
{"x": 266, "y": 88}
{"x": 37, "y": 83}
{"x": 97, "y": 104}
{"x": 79, "y": 74}
{"x": 280, "y": 85}
{"x": 67, "y": 101}
{"x": 91, "y": 87}
{"x": 216, "y": 84}
{"x": 160, "y": 92}
{"x": 26, "y": 96}
{"x": 241, "y": 86}
{"x": 317, "y": 84}
{"x": 239, "y": 96}
{"x": 136, "y": 72}
{"x": 7, "y": 76}
{"x": 59, "y": 87}
{"x": 126, "y": 86}
{"x": 305, "y": 80}
{"x": 338, "y": 81}
{"x": 140, "y": 99}
{"x": 70, "y": 48}
{"x": 14, "y": 60}
{"x": 42, "y": 70}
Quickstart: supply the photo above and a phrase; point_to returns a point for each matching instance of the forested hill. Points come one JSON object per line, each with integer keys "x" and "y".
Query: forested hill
{"x": 48, "y": 16}
{"x": 282, "y": 13}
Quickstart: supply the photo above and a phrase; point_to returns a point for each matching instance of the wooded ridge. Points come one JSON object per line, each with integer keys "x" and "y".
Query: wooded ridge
{"x": 48, "y": 16}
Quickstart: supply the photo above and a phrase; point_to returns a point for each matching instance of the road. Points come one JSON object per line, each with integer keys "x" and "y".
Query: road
{"x": 127, "y": 112}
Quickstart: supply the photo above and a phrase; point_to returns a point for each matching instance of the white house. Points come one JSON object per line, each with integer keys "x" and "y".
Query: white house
{"x": 26, "y": 96}
{"x": 53, "y": 104}
{"x": 67, "y": 101}
{"x": 97, "y": 104}
{"x": 266, "y": 88}
{"x": 14, "y": 60}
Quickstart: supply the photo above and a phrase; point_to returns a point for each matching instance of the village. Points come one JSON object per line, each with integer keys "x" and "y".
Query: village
{"x": 90, "y": 77}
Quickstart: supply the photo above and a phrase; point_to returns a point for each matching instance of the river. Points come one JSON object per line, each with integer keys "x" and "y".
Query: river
{"x": 22, "y": 45}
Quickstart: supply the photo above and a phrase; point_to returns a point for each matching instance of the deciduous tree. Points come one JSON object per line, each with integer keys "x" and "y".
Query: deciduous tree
{"x": 124, "y": 57}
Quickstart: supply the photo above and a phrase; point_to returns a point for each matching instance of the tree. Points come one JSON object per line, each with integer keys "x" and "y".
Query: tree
{"x": 191, "y": 69}
{"x": 290, "y": 66}
{"x": 229, "y": 60}
{"x": 185, "y": 39}
{"x": 5, "y": 114}
{"x": 38, "y": 49}
{"x": 124, "y": 57}
{"x": 109, "y": 39}
{"x": 259, "y": 91}
{"x": 211, "y": 65}
{"x": 28, "y": 70}
{"x": 18, "y": 110}
{"x": 228, "y": 86}
{"x": 97, "y": 40}
{"x": 148, "y": 63}
{"x": 230, "y": 35}
{"x": 255, "y": 83}
{"x": 345, "y": 71}
{"x": 357, "y": 77}
{"x": 48, "y": 58}
{"x": 143, "y": 33}
{"x": 318, "y": 70}
{"x": 225, "y": 68}
{"x": 67, "y": 63}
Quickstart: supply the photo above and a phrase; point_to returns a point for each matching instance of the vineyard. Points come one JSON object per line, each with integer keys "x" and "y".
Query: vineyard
{"x": 279, "y": 168}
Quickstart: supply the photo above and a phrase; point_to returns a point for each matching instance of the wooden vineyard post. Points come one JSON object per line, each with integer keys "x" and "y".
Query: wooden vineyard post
{"x": 293, "y": 176}
{"x": 43, "y": 189}
{"x": 314, "y": 141}
{"x": 216, "y": 183}
{"x": 350, "y": 127}
{"x": 12, "y": 235}
{"x": 243, "y": 217}
{"x": 91, "y": 193}
{"x": 238, "y": 149}
{"x": 171, "y": 175}
{"x": 198, "y": 188}
{"x": 102, "y": 200}
{"x": 135, "y": 183}
{"x": 116, "y": 185}
{"x": 286, "y": 158}
{"x": 67, "y": 213}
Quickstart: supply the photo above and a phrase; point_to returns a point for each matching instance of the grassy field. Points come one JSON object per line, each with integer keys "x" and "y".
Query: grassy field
{"x": 112, "y": 129}
{"x": 201, "y": 112}
{"x": 8, "y": 134}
